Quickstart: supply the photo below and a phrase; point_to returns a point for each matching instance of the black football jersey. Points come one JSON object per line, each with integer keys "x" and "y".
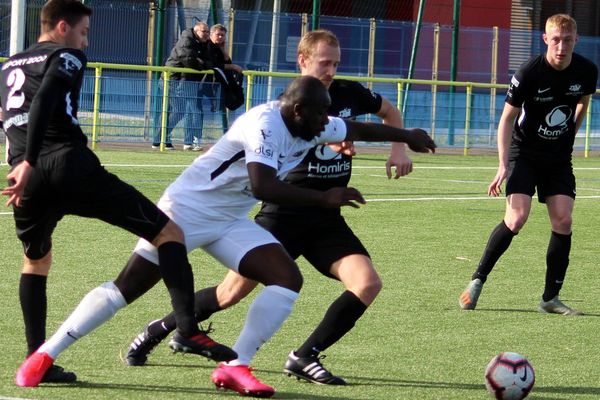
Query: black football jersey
{"x": 545, "y": 128}
{"x": 44, "y": 63}
{"x": 322, "y": 168}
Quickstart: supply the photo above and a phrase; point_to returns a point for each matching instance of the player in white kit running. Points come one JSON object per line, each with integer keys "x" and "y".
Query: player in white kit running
{"x": 211, "y": 200}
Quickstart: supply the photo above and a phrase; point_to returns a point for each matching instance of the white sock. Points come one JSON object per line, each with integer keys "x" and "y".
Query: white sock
{"x": 97, "y": 307}
{"x": 265, "y": 316}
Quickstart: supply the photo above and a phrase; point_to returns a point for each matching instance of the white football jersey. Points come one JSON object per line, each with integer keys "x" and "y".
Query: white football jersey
{"x": 217, "y": 182}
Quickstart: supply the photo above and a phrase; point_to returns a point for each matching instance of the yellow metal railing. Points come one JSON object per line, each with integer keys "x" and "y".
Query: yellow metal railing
{"x": 251, "y": 75}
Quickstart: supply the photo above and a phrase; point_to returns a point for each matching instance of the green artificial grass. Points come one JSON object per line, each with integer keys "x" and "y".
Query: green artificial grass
{"x": 425, "y": 233}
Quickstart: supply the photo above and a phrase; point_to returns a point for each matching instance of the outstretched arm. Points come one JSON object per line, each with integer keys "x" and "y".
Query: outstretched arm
{"x": 416, "y": 139}
{"x": 267, "y": 187}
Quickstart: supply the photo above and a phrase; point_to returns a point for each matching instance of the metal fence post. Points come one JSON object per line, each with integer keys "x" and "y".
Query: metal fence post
{"x": 96, "y": 110}
{"x": 165, "y": 107}
{"x": 468, "y": 118}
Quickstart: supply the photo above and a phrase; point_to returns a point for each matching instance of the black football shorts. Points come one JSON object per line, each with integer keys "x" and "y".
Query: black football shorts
{"x": 321, "y": 241}
{"x": 72, "y": 181}
{"x": 524, "y": 176}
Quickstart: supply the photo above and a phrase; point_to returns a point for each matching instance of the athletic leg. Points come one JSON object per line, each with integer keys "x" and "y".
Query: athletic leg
{"x": 207, "y": 301}
{"x": 518, "y": 206}
{"x": 362, "y": 284}
{"x": 229, "y": 292}
{"x": 560, "y": 210}
{"x": 272, "y": 266}
{"x": 32, "y": 295}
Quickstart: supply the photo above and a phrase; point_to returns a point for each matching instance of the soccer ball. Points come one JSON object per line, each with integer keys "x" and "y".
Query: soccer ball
{"x": 509, "y": 376}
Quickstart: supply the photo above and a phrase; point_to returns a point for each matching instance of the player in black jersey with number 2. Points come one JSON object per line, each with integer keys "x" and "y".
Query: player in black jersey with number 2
{"x": 544, "y": 107}
{"x": 320, "y": 235}
{"x": 53, "y": 174}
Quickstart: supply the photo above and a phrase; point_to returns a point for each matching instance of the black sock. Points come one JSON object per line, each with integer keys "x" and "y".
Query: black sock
{"x": 339, "y": 319}
{"x": 34, "y": 304}
{"x": 206, "y": 304}
{"x": 177, "y": 274}
{"x": 557, "y": 262}
{"x": 497, "y": 244}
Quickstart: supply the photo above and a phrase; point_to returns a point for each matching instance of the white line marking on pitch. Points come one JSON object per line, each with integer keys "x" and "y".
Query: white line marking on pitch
{"x": 354, "y": 167}
{"x": 14, "y": 398}
{"x": 457, "y": 198}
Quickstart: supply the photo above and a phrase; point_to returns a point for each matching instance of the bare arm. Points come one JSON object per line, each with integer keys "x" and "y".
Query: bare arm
{"x": 267, "y": 187}
{"x": 417, "y": 139}
{"x": 505, "y": 126}
{"x": 580, "y": 111}
{"x": 391, "y": 116}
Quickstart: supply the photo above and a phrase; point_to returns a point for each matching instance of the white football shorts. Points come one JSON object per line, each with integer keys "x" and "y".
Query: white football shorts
{"x": 227, "y": 240}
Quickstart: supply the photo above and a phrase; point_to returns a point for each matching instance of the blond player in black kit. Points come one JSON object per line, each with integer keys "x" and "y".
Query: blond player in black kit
{"x": 321, "y": 236}
{"x": 53, "y": 174}
{"x": 544, "y": 107}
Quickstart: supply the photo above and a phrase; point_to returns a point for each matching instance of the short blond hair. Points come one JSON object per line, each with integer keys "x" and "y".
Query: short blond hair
{"x": 218, "y": 27}
{"x": 563, "y": 22}
{"x": 308, "y": 42}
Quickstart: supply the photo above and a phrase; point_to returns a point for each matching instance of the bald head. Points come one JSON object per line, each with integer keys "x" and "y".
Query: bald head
{"x": 305, "y": 90}
{"x": 304, "y": 105}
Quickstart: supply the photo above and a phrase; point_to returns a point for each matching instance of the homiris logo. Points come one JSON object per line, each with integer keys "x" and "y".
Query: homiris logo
{"x": 558, "y": 116}
{"x": 556, "y": 122}
{"x": 331, "y": 163}
{"x": 324, "y": 152}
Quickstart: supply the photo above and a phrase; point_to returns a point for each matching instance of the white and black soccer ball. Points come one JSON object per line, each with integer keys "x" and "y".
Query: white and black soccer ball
{"x": 509, "y": 376}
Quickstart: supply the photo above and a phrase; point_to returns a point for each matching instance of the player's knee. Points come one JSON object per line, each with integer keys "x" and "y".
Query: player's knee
{"x": 38, "y": 251}
{"x": 37, "y": 266}
{"x": 516, "y": 223}
{"x": 375, "y": 286}
{"x": 292, "y": 280}
{"x": 228, "y": 298}
{"x": 562, "y": 224}
{"x": 171, "y": 232}
{"x": 368, "y": 290}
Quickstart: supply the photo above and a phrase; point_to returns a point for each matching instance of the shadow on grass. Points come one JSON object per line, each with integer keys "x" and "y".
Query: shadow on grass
{"x": 170, "y": 390}
{"x": 539, "y": 392}
{"x": 564, "y": 391}
{"x": 585, "y": 314}
{"x": 209, "y": 368}
{"x": 417, "y": 195}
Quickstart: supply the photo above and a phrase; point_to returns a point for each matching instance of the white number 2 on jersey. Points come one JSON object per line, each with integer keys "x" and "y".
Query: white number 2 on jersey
{"x": 15, "y": 81}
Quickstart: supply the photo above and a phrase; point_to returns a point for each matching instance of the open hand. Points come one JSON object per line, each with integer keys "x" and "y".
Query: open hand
{"x": 420, "y": 142}
{"x": 343, "y": 196}
{"x": 18, "y": 178}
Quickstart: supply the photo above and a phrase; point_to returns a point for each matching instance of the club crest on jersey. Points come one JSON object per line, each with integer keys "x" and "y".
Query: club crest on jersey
{"x": 70, "y": 63}
{"x": 265, "y": 134}
{"x": 345, "y": 113}
{"x": 556, "y": 122}
{"x": 575, "y": 90}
